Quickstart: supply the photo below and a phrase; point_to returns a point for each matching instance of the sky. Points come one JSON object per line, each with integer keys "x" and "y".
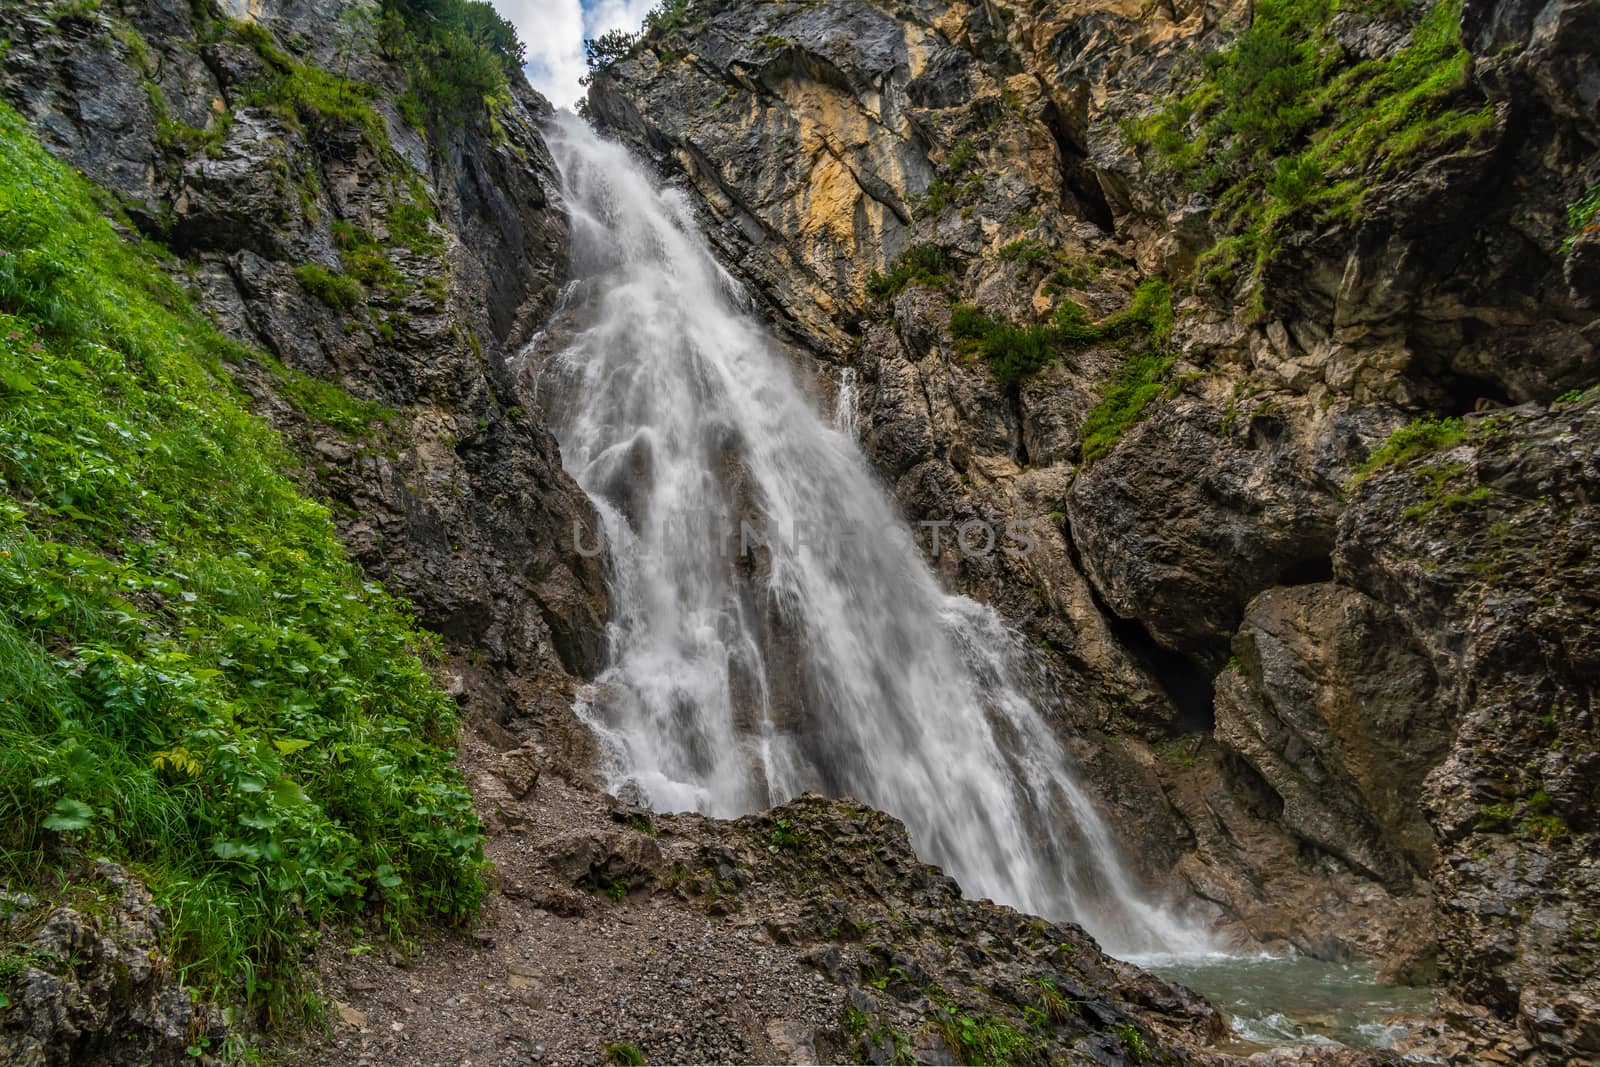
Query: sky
{"x": 554, "y": 31}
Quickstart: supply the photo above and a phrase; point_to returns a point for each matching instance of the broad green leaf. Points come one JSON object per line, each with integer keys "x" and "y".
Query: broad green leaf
{"x": 69, "y": 814}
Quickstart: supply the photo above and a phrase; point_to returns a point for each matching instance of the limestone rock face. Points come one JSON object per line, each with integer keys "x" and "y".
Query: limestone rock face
{"x": 1188, "y": 520}
{"x": 1494, "y": 571}
{"x": 1322, "y": 790}
{"x": 1332, "y": 703}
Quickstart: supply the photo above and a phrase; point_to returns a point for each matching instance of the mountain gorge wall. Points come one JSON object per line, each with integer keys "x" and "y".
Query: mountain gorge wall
{"x": 380, "y": 262}
{"x": 405, "y": 260}
{"x": 1352, "y": 710}
{"x": 1282, "y": 637}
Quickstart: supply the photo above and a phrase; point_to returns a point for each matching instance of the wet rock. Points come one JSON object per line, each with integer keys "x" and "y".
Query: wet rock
{"x": 1484, "y": 553}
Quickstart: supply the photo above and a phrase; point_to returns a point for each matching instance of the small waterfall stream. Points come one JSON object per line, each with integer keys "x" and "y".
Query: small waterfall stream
{"x": 828, "y": 658}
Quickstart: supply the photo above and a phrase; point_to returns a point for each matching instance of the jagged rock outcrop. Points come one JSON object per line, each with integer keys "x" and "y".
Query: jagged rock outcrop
{"x": 1195, "y": 513}
{"x": 1219, "y": 517}
{"x": 408, "y": 265}
{"x": 1333, "y": 704}
{"x": 94, "y": 984}
{"x": 1485, "y": 551}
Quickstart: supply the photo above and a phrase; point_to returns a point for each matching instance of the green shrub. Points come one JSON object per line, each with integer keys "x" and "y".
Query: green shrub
{"x": 338, "y": 291}
{"x": 625, "y": 1055}
{"x": 1024, "y": 251}
{"x": 323, "y": 401}
{"x": 194, "y": 679}
{"x": 1284, "y": 120}
{"x": 1013, "y": 353}
{"x": 409, "y": 224}
{"x": 363, "y": 256}
{"x": 1016, "y": 353}
{"x": 921, "y": 264}
{"x": 961, "y": 156}
{"x": 934, "y": 198}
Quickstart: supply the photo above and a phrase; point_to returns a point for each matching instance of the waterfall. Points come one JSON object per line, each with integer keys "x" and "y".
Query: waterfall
{"x": 845, "y": 419}
{"x": 775, "y": 627}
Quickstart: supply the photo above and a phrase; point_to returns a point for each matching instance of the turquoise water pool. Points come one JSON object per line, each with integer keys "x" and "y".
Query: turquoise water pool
{"x": 1296, "y": 1000}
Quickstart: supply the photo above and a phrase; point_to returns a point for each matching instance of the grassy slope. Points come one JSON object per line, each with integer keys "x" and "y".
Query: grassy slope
{"x": 193, "y": 677}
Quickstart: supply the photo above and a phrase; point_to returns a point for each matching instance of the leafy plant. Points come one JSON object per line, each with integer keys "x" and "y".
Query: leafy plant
{"x": 1134, "y": 1042}
{"x": 986, "y": 1040}
{"x": 961, "y": 156}
{"x": 304, "y": 94}
{"x": 783, "y": 836}
{"x": 1141, "y": 380}
{"x": 193, "y": 676}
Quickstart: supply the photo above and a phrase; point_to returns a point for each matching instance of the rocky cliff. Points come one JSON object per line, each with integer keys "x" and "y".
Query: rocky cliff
{"x": 403, "y": 257}
{"x": 1269, "y": 314}
{"x": 1293, "y": 391}
{"x": 374, "y": 224}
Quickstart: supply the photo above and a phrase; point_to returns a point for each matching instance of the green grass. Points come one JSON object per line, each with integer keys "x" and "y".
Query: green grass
{"x": 1439, "y": 501}
{"x": 1141, "y": 380}
{"x": 625, "y": 1054}
{"x": 305, "y": 95}
{"x": 1415, "y": 439}
{"x": 1583, "y": 217}
{"x": 1283, "y": 124}
{"x": 921, "y": 264}
{"x": 324, "y": 401}
{"x": 194, "y": 679}
{"x": 338, "y": 291}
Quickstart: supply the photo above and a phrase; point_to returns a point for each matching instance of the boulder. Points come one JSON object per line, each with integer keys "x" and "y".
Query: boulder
{"x": 1332, "y": 702}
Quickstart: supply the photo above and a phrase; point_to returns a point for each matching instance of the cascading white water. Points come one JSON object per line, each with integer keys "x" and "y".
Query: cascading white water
{"x": 829, "y": 659}
{"x": 845, "y": 419}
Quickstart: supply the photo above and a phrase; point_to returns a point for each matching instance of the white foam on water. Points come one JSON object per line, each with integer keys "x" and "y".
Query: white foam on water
{"x": 833, "y": 661}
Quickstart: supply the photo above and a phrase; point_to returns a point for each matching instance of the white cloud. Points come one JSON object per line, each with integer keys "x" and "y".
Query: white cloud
{"x": 554, "y": 31}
